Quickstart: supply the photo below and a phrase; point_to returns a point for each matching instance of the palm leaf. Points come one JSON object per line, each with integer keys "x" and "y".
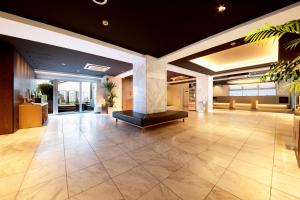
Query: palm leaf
{"x": 276, "y": 32}
{"x": 292, "y": 44}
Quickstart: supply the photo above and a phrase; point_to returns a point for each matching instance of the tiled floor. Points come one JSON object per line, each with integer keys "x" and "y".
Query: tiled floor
{"x": 223, "y": 155}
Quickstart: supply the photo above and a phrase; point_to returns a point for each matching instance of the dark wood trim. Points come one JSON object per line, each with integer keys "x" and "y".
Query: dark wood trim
{"x": 6, "y": 88}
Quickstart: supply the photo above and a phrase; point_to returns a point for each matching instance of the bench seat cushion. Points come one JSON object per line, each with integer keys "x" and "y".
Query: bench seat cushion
{"x": 143, "y": 120}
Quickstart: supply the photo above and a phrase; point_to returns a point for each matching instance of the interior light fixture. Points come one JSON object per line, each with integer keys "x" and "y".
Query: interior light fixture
{"x": 240, "y": 56}
{"x": 105, "y": 23}
{"x": 63, "y": 64}
{"x": 232, "y": 44}
{"x": 97, "y": 68}
{"x": 101, "y": 3}
{"x": 221, "y": 8}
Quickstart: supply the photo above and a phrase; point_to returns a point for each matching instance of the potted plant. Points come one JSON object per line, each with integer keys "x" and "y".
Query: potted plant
{"x": 285, "y": 70}
{"x": 110, "y": 95}
{"x": 47, "y": 89}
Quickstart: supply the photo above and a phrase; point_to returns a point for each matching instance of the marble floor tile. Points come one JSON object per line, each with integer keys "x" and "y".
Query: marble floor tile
{"x": 260, "y": 174}
{"x": 160, "y": 167}
{"x": 177, "y": 156}
{"x": 160, "y": 146}
{"x": 10, "y": 184}
{"x": 135, "y": 183}
{"x": 79, "y": 181}
{"x": 187, "y": 185}
{"x": 224, "y": 149}
{"x": 219, "y": 194}
{"x": 44, "y": 173}
{"x": 287, "y": 167}
{"x": 255, "y": 159}
{"x": 107, "y": 153}
{"x": 160, "y": 192}
{"x": 189, "y": 158}
{"x": 288, "y": 184}
{"x": 215, "y": 157}
{"x": 206, "y": 170}
{"x": 142, "y": 155}
{"x": 278, "y": 195}
{"x": 9, "y": 197}
{"x": 105, "y": 191}
{"x": 55, "y": 189}
{"x": 242, "y": 187}
{"x": 77, "y": 163}
{"x": 119, "y": 165}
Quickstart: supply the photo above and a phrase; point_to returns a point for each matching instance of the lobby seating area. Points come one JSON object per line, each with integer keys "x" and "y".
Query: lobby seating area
{"x": 148, "y": 120}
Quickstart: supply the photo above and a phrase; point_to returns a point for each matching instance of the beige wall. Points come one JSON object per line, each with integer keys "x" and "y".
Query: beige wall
{"x": 127, "y": 93}
{"x": 100, "y": 97}
{"x": 176, "y": 95}
{"x": 221, "y": 90}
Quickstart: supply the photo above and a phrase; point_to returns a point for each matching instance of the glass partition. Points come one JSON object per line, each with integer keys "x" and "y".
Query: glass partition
{"x": 68, "y": 96}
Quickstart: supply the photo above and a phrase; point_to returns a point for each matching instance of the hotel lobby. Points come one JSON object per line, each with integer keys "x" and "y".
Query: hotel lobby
{"x": 149, "y": 100}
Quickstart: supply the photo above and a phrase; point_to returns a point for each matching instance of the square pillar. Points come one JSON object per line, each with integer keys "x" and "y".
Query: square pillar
{"x": 204, "y": 93}
{"x": 149, "y": 86}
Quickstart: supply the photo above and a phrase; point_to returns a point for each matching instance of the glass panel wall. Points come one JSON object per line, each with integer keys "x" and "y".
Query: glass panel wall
{"x": 88, "y": 96}
{"x": 257, "y": 89}
{"x": 68, "y": 96}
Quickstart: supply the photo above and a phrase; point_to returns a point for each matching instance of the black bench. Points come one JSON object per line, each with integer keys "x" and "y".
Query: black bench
{"x": 147, "y": 120}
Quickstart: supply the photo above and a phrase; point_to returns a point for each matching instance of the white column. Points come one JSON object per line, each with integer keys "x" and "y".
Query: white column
{"x": 204, "y": 92}
{"x": 80, "y": 96}
{"x": 55, "y": 97}
{"x": 149, "y": 86}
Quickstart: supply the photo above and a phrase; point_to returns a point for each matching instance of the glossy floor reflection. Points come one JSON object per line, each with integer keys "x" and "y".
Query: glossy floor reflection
{"x": 223, "y": 155}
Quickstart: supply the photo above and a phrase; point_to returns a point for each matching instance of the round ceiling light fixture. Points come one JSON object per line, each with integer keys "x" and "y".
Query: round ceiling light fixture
{"x": 103, "y": 2}
{"x": 221, "y": 8}
{"x": 105, "y": 22}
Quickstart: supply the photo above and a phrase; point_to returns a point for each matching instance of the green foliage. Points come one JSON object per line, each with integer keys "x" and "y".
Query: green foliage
{"x": 110, "y": 95}
{"x": 109, "y": 85}
{"x": 46, "y": 89}
{"x": 273, "y": 32}
{"x": 283, "y": 70}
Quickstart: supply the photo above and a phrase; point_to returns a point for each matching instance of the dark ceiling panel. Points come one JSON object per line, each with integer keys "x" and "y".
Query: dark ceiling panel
{"x": 52, "y": 58}
{"x": 153, "y": 27}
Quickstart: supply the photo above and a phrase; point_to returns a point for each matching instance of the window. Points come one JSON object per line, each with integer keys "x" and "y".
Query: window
{"x": 258, "y": 89}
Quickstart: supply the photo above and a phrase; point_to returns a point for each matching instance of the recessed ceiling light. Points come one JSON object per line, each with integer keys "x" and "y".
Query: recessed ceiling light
{"x": 105, "y": 23}
{"x": 232, "y": 43}
{"x": 103, "y": 2}
{"x": 63, "y": 64}
{"x": 221, "y": 8}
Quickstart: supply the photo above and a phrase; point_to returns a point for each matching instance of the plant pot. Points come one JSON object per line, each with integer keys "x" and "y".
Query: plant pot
{"x": 50, "y": 106}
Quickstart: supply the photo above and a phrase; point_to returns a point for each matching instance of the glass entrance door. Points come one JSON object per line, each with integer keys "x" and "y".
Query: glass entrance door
{"x": 68, "y": 96}
{"x": 88, "y": 96}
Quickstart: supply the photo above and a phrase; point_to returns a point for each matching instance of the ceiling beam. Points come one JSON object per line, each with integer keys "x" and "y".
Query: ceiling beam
{"x": 23, "y": 28}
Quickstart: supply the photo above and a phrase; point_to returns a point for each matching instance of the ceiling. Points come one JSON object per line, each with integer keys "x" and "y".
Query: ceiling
{"x": 51, "y": 58}
{"x": 149, "y": 27}
{"x": 240, "y": 56}
{"x": 171, "y": 75}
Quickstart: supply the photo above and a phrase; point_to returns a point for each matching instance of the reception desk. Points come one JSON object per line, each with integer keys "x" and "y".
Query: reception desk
{"x": 32, "y": 114}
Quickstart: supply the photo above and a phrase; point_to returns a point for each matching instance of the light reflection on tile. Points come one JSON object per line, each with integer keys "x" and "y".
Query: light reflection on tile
{"x": 187, "y": 157}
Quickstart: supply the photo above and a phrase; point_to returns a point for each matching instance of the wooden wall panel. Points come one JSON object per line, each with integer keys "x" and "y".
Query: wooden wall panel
{"x": 6, "y": 88}
{"x": 23, "y": 80}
